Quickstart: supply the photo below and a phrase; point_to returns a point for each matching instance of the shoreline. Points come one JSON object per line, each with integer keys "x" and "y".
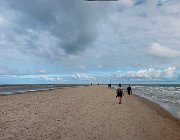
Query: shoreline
{"x": 144, "y": 99}
{"x": 62, "y": 86}
{"x": 162, "y": 105}
{"x": 155, "y": 106}
{"x": 31, "y": 91}
{"x": 173, "y": 109}
{"x": 170, "y": 108}
{"x": 90, "y": 112}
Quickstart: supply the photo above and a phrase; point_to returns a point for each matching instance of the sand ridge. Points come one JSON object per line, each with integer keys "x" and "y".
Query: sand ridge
{"x": 86, "y": 113}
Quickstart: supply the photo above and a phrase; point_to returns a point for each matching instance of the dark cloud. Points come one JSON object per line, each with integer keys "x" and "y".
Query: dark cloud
{"x": 72, "y": 23}
{"x": 139, "y": 2}
{"x": 79, "y": 36}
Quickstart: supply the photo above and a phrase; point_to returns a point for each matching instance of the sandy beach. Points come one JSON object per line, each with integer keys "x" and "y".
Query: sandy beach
{"x": 84, "y": 113}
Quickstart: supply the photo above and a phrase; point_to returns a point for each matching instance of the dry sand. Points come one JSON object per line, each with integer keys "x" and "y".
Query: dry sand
{"x": 84, "y": 113}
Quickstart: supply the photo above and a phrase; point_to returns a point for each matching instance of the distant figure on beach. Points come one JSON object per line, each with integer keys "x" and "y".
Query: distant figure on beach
{"x": 109, "y": 85}
{"x": 119, "y": 85}
{"x": 91, "y": 84}
{"x": 119, "y": 93}
{"x": 129, "y": 90}
{"x": 98, "y": 84}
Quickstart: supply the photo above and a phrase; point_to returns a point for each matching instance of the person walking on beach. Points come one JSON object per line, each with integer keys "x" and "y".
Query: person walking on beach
{"x": 119, "y": 85}
{"x": 119, "y": 93}
{"x": 129, "y": 90}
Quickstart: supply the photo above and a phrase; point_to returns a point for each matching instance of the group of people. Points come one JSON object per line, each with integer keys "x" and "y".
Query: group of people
{"x": 120, "y": 93}
{"x": 109, "y": 85}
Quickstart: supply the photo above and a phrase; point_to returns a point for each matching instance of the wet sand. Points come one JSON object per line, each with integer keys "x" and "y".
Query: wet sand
{"x": 86, "y": 113}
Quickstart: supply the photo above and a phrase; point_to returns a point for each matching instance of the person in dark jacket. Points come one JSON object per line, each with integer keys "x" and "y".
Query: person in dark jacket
{"x": 129, "y": 90}
{"x": 119, "y": 93}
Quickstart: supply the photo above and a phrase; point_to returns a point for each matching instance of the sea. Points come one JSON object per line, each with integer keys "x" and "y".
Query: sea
{"x": 166, "y": 95}
{"x": 12, "y": 89}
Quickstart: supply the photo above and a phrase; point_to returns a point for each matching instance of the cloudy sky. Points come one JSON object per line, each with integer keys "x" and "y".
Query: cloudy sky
{"x": 77, "y": 41}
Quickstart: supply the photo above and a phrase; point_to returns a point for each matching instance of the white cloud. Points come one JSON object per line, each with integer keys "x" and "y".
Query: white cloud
{"x": 41, "y": 71}
{"x": 51, "y": 78}
{"x": 84, "y": 77}
{"x": 169, "y": 72}
{"x": 162, "y": 51}
{"x": 150, "y": 73}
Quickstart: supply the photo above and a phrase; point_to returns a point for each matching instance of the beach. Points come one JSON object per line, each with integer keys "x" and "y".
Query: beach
{"x": 86, "y": 113}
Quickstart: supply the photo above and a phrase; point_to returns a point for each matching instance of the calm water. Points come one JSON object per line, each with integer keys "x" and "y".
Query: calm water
{"x": 11, "y": 89}
{"x": 168, "y": 96}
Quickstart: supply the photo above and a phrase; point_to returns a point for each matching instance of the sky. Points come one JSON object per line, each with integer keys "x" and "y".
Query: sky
{"x": 78, "y": 41}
